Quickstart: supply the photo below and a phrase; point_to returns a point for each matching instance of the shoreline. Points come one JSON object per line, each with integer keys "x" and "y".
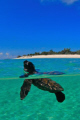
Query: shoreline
{"x": 49, "y": 56}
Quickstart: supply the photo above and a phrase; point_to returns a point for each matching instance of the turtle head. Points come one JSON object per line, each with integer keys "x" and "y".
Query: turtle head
{"x": 29, "y": 67}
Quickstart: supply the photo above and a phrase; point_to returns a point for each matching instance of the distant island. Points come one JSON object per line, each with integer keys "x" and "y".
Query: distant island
{"x": 66, "y": 51}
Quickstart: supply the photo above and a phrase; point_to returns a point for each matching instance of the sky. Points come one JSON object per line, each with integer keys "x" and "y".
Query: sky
{"x": 28, "y": 26}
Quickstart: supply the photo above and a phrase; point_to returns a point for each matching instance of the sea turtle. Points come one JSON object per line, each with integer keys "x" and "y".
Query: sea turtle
{"x": 42, "y": 83}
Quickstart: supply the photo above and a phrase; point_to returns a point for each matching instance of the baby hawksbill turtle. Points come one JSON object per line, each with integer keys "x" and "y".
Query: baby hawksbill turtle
{"x": 42, "y": 83}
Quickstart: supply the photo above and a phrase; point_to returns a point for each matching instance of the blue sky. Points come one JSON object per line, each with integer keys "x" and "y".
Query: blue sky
{"x": 28, "y": 26}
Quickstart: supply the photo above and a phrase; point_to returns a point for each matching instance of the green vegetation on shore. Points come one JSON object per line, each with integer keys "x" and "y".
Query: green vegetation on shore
{"x": 51, "y": 52}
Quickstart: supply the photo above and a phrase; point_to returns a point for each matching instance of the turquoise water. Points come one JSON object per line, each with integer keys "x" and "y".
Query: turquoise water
{"x": 39, "y": 105}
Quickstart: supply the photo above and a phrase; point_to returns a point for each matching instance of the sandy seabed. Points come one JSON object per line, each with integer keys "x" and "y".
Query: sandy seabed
{"x": 49, "y": 56}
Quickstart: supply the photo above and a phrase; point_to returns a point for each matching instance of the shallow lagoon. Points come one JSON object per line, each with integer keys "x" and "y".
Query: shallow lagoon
{"x": 40, "y": 105}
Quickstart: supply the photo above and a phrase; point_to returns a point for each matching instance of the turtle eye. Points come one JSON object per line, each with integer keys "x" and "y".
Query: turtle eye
{"x": 27, "y": 63}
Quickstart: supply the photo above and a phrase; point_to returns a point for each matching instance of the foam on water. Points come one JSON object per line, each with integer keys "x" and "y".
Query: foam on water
{"x": 38, "y": 104}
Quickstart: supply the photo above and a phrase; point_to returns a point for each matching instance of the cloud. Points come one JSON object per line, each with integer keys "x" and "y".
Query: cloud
{"x": 1, "y": 53}
{"x": 68, "y": 2}
{"x": 7, "y": 54}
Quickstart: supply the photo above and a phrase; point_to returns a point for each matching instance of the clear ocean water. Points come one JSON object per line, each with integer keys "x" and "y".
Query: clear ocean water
{"x": 39, "y": 104}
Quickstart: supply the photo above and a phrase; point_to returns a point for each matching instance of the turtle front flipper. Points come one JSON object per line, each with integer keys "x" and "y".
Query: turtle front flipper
{"x": 60, "y": 96}
{"x": 25, "y": 88}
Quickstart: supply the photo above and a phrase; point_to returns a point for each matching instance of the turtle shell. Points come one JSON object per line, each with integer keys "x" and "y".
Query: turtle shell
{"x": 47, "y": 84}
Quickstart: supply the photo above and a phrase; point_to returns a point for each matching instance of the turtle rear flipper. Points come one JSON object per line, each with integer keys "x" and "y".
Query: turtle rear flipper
{"x": 60, "y": 96}
{"x": 25, "y": 88}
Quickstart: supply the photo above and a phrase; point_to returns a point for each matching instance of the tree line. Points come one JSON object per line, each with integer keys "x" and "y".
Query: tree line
{"x": 51, "y": 52}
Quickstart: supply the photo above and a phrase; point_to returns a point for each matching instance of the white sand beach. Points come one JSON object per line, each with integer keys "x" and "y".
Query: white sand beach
{"x": 50, "y": 56}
